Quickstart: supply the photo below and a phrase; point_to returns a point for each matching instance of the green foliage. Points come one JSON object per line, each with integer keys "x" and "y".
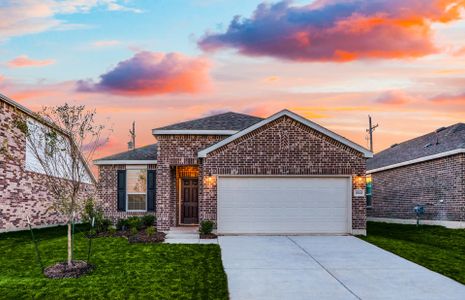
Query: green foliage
{"x": 148, "y": 220}
{"x": 123, "y": 270}
{"x": 150, "y": 231}
{"x": 134, "y": 230}
{"x": 21, "y": 124}
{"x": 112, "y": 230}
{"x": 206, "y": 227}
{"x": 91, "y": 210}
{"x": 122, "y": 224}
{"x": 437, "y": 248}
{"x": 135, "y": 222}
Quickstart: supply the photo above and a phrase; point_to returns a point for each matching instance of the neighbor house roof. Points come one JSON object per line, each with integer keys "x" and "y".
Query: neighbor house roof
{"x": 296, "y": 117}
{"x": 222, "y": 124}
{"x": 442, "y": 142}
{"x": 143, "y": 155}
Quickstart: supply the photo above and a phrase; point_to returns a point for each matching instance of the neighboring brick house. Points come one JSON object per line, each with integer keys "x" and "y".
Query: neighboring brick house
{"x": 428, "y": 171}
{"x": 282, "y": 174}
{"x": 23, "y": 191}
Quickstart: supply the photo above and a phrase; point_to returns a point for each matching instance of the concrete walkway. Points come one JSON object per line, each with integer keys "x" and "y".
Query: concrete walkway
{"x": 326, "y": 267}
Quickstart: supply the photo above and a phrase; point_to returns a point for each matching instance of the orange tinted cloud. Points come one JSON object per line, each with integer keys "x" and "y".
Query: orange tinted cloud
{"x": 337, "y": 30}
{"x": 151, "y": 73}
{"x": 24, "y": 61}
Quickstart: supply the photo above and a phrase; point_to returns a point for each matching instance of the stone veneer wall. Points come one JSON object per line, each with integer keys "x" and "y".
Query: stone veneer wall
{"x": 107, "y": 192}
{"x": 397, "y": 191}
{"x": 22, "y": 193}
{"x": 175, "y": 150}
{"x": 282, "y": 147}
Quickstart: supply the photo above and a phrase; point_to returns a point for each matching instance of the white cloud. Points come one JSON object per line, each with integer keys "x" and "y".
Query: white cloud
{"x": 21, "y": 17}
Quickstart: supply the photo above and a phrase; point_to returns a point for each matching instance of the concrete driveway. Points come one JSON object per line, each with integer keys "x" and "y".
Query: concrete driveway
{"x": 326, "y": 267}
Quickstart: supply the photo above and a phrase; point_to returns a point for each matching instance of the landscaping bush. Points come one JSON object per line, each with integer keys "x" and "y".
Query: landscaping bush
{"x": 91, "y": 210}
{"x": 151, "y": 231}
{"x": 104, "y": 225}
{"x": 148, "y": 220}
{"x": 206, "y": 227}
{"x": 135, "y": 222}
{"x": 122, "y": 224}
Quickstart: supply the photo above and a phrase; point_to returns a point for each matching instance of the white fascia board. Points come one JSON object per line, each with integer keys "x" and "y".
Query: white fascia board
{"x": 125, "y": 162}
{"x": 417, "y": 160}
{"x": 296, "y": 117}
{"x": 193, "y": 132}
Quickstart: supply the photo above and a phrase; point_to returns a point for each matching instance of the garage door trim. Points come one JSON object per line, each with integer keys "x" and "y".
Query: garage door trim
{"x": 349, "y": 195}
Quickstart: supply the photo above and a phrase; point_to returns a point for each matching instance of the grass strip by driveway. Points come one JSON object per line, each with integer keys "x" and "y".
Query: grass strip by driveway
{"x": 437, "y": 248}
{"x": 123, "y": 271}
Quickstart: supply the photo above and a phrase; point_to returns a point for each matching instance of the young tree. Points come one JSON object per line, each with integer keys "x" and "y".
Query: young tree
{"x": 62, "y": 141}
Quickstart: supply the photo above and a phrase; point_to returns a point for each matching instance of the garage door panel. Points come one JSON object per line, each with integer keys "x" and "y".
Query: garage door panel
{"x": 282, "y": 205}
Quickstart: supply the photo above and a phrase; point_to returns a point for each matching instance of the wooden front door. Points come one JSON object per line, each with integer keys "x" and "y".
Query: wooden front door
{"x": 189, "y": 201}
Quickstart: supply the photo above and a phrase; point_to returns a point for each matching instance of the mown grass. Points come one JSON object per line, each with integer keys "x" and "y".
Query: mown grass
{"x": 123, "y": 271}
{"x": 437, "y": 248}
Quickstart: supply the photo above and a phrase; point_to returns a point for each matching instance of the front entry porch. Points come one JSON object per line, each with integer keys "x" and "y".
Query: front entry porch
{"x": 187, "y": 202}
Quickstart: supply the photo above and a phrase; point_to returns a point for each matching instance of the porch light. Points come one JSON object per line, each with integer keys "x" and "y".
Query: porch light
{"x": 359, "y": 178}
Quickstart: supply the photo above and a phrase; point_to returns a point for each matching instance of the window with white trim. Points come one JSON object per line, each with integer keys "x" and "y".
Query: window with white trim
{"x": 136, "y": 189}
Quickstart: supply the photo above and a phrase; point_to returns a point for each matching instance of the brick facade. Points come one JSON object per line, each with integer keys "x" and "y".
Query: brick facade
{"x": 173, "y": 151}
{"x": 438, "y": 184}
{"x": 282, "y": 147}
{"x": 22, "y": 193}
{"x": 107, "y": 189}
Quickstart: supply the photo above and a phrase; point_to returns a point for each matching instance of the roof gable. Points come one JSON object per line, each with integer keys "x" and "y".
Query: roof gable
{"x": 445, "y": 140}
{"x": 226, "y": 123}
{"x": 295, "y": 117}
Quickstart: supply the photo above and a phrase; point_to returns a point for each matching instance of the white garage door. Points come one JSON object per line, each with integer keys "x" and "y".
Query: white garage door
{"x": 280, "y": 205}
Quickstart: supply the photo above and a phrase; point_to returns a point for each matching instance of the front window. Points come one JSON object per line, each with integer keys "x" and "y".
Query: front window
{"x": 136, "y": 190}
{"x": 369, "y": 189}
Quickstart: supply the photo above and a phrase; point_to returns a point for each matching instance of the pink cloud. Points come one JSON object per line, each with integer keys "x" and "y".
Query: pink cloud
{"x": 24, "y": 61}
{"x": 337, "y": 30}
{"x": 394, "y": 98}
{"x": 150, "y": 73}
{"x": 105, "y": 43}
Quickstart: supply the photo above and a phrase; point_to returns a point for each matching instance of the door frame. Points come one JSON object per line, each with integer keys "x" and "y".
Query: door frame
{"x": 180, "y": 201}
{"x": 349, "y": 199}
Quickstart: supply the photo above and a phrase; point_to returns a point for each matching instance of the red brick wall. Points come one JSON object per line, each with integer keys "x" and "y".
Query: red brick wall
{"x": 175, "y": 150}
{"x": 107, "y": 192}
{"x": 282, "y": 147}
{"x": 22, "y": 193}
{"x": 397, "y": 191}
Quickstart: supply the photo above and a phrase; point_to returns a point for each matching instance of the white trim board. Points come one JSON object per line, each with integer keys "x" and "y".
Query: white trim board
{"x": 417, "y": 160}
{"x": 448, "y": 224}
{"x": 125, "y": 162}
{"x": 335, "y": 136}
{"x": 192, "y": 132}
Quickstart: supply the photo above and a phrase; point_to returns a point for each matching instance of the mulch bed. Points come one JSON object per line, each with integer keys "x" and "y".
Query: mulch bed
{"x": 62, "y": 270}
{"x": 140, "y": 237}
{"x": 143, "y": 237}
{"x": 209, "y": 236}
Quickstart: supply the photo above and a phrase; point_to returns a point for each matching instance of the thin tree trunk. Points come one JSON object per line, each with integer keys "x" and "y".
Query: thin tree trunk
{"x": 70, "y": 249}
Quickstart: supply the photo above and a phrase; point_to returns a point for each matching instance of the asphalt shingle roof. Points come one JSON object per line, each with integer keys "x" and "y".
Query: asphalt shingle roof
{"x": 143, "y": 153}
{"x": 224, "y": 121}
{"x": 442, "y": 140}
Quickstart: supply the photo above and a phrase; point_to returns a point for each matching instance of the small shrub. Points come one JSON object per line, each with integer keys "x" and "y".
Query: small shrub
{"x": 112, "y": 230}
{"x": 206, "y": 227}
{"x": 134, "y": 230}
{"x": 122, "y": 224}
{"x": 104, "y": 225}
{"x": 148, "y": 220}
{"x": 135, "y": 222}
{"x": 150, "y": 231}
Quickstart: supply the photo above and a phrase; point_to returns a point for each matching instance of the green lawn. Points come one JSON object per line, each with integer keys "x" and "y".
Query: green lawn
{"x": 123, "y": 271}
{"x": 434, "y": 247}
